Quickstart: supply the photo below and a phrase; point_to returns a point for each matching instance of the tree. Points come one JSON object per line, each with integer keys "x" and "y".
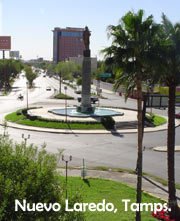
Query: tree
{"x": 30, "y": 75}
{"x": 168, "y": 54}
{"x": 128, "y": 56}
{"x": 65, "y": 71}
{"x": 9, "y": 69}
{"x": 51, "y": 69}
{"x": 102, "y": 68}
{"x": 79, "y": 81}
{"x": 29, "y": 173}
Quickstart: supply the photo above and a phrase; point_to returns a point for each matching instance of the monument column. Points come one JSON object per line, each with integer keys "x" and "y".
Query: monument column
{"x": 86, "y": 76}
{"x": 86, "y": 83}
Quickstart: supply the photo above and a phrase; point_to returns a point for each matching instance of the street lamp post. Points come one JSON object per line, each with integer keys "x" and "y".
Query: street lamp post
{"x": 99, "y": 96}
{"x": 66, "y": 161}
{"x": 5, "y": 133}
{"x": 27, "y": 84}
{"x": 25, "y": 138}
{"x": 65, "y": 89}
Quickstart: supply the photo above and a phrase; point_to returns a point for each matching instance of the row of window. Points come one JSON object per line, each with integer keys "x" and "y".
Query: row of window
{"x": 70, "y": 34}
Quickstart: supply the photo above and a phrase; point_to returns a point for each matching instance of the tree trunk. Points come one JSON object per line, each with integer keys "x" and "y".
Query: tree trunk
{"x": 171, "y": 152}
{"x": 140, "y": 156}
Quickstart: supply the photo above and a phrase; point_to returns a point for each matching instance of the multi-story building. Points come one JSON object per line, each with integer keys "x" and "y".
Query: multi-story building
{"x": 67, "y": 43}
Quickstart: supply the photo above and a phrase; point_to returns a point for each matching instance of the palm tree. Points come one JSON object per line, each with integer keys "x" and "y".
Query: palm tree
{"x": 169, "y": 55}
{"x": 128, "y": 54}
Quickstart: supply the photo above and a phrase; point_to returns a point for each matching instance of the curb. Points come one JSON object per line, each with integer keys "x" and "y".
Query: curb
{"x": 67, "y": 131}
{"x": 164, "y": 149}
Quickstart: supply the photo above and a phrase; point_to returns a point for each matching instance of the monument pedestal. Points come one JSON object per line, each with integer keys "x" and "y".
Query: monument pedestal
{"x": 86, "y": 106}
{"x": 87, "y": 53}
{"x": 87, "y": 110}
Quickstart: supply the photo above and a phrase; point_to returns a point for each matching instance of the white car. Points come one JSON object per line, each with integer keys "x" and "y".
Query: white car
{"x": 48, "y": 88}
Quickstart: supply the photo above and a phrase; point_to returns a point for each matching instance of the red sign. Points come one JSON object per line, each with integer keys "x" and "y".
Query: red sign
{"x": 5, "y": 42}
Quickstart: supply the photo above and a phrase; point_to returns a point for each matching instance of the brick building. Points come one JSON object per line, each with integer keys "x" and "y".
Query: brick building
{"x": 67, "y": 42}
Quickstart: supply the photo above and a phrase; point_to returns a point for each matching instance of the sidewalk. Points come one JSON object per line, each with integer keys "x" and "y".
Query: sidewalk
{"x": 127, "y": 178}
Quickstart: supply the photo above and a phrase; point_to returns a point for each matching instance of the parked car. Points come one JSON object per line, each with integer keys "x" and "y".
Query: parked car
{"x": 77, "y": 91}
{"x": 48, "y": 88}
{"x": 93, "y": 99}
{"x": 177, "y": 115}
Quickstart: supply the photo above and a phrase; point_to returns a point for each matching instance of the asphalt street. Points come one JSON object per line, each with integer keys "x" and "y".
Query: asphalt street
{"x": 119, "y": 151}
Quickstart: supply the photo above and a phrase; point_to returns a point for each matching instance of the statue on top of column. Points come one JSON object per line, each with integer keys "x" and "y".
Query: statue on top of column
{"x": 86, "y": 36}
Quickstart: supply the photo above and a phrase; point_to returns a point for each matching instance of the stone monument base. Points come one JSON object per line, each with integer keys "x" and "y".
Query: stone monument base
{"x": 87, "y": 53}
{"x": 87, "y": 110}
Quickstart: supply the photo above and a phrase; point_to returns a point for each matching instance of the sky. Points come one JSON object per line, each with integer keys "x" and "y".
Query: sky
{"x": 30, "y": 22}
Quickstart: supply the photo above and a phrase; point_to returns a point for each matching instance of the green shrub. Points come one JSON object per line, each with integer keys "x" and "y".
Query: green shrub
{"x": 19, "y": 112}
{"x": 108, "y": 122}
{"x": 30, "y": 117}
{"x": 26, "y": 173}
{"x": 24, "y": 111}
{"x": 164, "y": 90}
{"x": 63, "y": 96}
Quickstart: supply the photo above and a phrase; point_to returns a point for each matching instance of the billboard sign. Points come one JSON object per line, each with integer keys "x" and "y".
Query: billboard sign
{"x": 14, "y": 54}
{"x": 5, "y": 42}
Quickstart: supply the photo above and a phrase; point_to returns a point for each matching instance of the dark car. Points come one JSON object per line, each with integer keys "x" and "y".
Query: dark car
{"x": 93, "y": 99}
{"x": 177, "y": 115}
{"x": 78, "y": 91}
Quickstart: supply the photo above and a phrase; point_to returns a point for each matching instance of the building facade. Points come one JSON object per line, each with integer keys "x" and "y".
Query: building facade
{"x": 67, "y": 43}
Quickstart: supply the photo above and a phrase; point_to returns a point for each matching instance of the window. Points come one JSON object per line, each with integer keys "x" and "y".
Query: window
{"x": 71, "y": 34}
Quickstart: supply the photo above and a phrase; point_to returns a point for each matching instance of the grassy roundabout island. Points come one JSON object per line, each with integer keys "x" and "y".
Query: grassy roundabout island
{"x": 21, "y": 117}
{"x": 45, "y": 123}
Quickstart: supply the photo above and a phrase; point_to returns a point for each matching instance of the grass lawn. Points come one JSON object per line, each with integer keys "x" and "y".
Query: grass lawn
{"x": 21, "y": 119}
{"x": 95, "y": 190}
{"x": 156, "y": 120}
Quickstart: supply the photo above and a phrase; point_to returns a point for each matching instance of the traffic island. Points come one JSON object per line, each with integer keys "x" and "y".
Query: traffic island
{"x": 164, "y": 149}
{"x": 56, "y": 124}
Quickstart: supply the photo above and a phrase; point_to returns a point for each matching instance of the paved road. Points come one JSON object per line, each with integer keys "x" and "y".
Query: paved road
{"x": 98, "y": 150}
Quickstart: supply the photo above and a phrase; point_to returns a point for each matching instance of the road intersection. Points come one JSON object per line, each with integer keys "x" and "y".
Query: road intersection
{"x": 107, "y": 150}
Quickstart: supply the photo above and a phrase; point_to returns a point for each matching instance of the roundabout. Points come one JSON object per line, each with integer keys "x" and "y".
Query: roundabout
{"x": 125, "y": 122}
